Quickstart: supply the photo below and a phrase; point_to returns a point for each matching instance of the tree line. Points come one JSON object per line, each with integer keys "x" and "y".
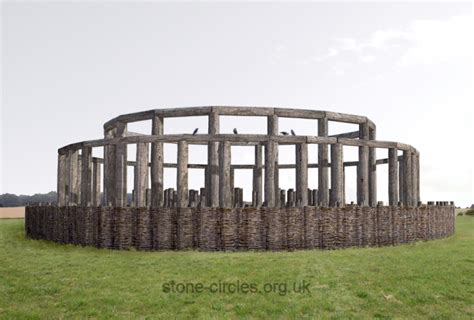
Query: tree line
{"x": 13, "y": 200}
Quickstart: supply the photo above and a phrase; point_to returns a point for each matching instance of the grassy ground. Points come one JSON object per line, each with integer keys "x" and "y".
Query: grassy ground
{"x": 423, "y": 280}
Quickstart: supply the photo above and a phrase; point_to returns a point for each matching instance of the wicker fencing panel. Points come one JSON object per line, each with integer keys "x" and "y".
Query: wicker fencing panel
{"x": 184, "y": 228}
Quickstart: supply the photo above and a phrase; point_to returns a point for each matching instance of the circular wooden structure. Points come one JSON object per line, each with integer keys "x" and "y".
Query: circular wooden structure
{"x": 80, "y": 185}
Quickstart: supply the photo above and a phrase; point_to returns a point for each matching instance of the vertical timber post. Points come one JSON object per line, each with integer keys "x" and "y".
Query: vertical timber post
{"x": 96, "y": 180}
{"x": 213, "y": 162}
{"x": 140, "y": 183}
{"x": 120, "y": 169}
{"x": 323, "y": 170}
{"x": 407, "y": 178}
{"x": 372, "y": 170}
{"x": 272, "y": 130}
{"x": 301, "y": 174}
{"x": 225, "y": 197}
{"x": 156, "y": 171}
{"x": 392, "y": 176}
{"x": 86, "y": 177}
{"x": 270, "y": 174}
{"x": 337, "y": 172}
{"x": 109, "y": 170}
{"x": 73, "y": 173}
{"x": 61, "y": 188}
{"x": 363, "y": 167}
{"x": 257, "y": 176}
{"x": 182, "y": 175}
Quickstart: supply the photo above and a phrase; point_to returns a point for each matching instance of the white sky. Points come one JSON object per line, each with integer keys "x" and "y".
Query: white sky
{"x": 69, "y": 67}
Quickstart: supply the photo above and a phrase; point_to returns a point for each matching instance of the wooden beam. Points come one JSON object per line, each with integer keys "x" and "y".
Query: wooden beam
{"x": 141, "y": 175}
{"x": 337, "y": 176}
{"x": 86, "y": 177}
{"x": 301, "y": 174}
{"x": 372, "y": 170}
{"x": 407, "y": 179}
{"x": 120, "y": 169}
{"x": 96, "y": 181}
{"x": 182, "y": 175}
{"x": 392, "y": 177}
{"x": 270, "y": 160}
{"x": 363, "y": 168}
{"x": 73, "y": 170}
{"x": 156, "y": 172}
{"x": 62, "y": 180}
{"x": 323, "y": 183}
{"x": 257, "y": 176}
{"x": 109, "y": 170}
{"x": 225, "y": 196}
{"x": 213, "y": 162}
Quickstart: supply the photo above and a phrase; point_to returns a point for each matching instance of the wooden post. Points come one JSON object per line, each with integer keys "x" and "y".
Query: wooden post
{"x": 323, "y": 170}
{"x": 372, "y": 171}
{"x": 301, "y": 174}
{"x": 73, "y": 169}
{"x": 337, "y": 166}
{"x": 182, "y": 175}
{"x": 363, "y": 168}
{"x": 120, "y": 169}
{"x": 272, "y": 130}
{"x": 109, "y": 170}
{"x": 270, "y": 155}
{"x": 86, "y": 177}
{"x": 213, "y": 162}
{"x": 257, "y": 177}
{"x": 225, "y": 197}
{"x": 407, "y": 178}
{"x": 140, "y": 183}
{"x": 417, "y": 194}
{"x": 414, "y": 182}
{"x": 156, "y": 171}
{"x": 62, "y": 173}
{"x": 96, "y": 180}
{"x": 392, "y": 176}
{"x": 401, "y": 182}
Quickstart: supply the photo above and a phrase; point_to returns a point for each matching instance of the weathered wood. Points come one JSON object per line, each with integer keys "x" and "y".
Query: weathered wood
{"x": 156, "y": 172}
{"x": 323, "y": 185}
{"x": 414, "y": 182}
{"x": 141, "y": 175}
{"x": 417, "y": 190}
{"x": 392, "y": 177}
{"x": 343, "y": 117}
{"x": 272, "y": 130}
{"x": 109, "y": 170}
{"x": 401, "y": 181}
{"x": 337, "y": 186}
{"x": 225, "y": 196}
{"x": 301, "y": 174}
{"x": 299, "y": 113}
{"x": 120, "y": 169}
{"x": 363, "y": 168}
{"x": 213, "y": 162}
{"x": 372, "y": 170}
{"x": 408, "y": 181}
{"x": 270, "y": 159}
{"x": 243, "y": 111}
{"x": 257, "y": 176}
{"x": 73, "y": 170}
{"x": 86, "y": 177}
{"x": 182, "y": 175}
{"x": 62, "y": 180}
{"x": 96, "y": 182}
{"x": 349, "y": 135}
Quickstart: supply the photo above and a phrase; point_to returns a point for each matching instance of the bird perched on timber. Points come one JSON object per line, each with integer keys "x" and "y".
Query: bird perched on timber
{"x": 235, "y": 131}
{"x": 293, "y": 133}
{"x": 284, "y": 133}
{"x": 195, "y": 131}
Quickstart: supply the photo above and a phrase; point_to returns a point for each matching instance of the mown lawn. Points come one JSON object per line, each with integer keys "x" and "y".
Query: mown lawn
{"x": 432, "y": 279}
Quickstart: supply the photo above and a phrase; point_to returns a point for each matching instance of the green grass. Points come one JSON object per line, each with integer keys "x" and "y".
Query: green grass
{"x": 432, "y": 279}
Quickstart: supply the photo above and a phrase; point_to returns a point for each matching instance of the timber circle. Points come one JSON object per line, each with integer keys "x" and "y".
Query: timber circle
{"x": 95, "y": 208}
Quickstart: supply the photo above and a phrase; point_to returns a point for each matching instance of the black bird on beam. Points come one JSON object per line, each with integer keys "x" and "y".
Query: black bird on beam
{"x": 235, "y": 131}
{"x": 195, "y": 131}
{"x": 293, "y": 133}
{"x": 284, "y": 133}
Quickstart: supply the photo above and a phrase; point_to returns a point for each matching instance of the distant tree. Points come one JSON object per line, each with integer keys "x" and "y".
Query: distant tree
{"x": 12, "y": 200}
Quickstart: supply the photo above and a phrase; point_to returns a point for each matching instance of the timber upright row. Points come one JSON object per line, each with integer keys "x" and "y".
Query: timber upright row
{"x": 94, "y": 208}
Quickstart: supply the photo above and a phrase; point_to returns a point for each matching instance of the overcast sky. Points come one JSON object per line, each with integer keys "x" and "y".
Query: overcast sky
{"x": 68, "y": 68}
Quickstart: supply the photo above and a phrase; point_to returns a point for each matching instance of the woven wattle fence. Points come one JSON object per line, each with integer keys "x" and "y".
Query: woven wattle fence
{"x": 228, "y": 229}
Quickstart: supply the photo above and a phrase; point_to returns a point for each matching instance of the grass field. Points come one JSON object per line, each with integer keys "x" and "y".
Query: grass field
{"x": 432, "y": 279}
